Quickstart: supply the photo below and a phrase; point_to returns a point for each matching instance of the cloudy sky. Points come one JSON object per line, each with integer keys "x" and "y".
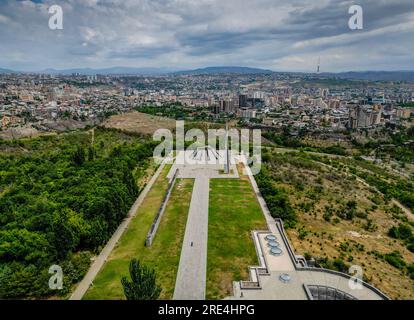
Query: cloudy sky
{"x": 182, "y": 34}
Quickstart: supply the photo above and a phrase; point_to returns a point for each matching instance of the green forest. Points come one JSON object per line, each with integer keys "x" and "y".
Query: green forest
{"x": 61, "y": 198}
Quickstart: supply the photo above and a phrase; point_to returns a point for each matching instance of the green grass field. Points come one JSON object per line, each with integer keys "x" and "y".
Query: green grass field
{"x": 233, "y": 213}
{"x": 163, "y": 255}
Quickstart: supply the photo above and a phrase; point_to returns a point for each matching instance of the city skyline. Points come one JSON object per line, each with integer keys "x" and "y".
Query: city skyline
{"x": 183, "y": 35}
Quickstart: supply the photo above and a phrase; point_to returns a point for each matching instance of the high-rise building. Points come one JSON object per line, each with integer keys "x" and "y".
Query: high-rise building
{"x": 227, "y": 106}
{"x": 364, "y": 116}
{"x": 224, "y": 106}
{"x": 242, "y": 101}
{"x": 247, "y": 113}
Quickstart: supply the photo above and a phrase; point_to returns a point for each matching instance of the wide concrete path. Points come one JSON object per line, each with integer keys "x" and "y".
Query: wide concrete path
{"x": 191, "y": 276}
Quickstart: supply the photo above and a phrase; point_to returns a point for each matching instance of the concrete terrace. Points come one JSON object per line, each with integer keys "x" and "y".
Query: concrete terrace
{"x": 265, "y": 283}
{"x": 305, "y": 283}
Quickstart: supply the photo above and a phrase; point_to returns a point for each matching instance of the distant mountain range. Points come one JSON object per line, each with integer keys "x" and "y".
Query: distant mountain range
{"x": 149, "y": 71}
{"x": 90, "y": 71}
{"x": 6, "y": 71}
{"x": 359, "y": 75}
{"x": 215, "y": 70}
{"x": 108, "y": 71}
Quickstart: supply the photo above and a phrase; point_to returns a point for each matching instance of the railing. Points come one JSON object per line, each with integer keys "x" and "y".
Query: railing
{"x": 347, "y": 276}
{"x": 250, "y": 285}
{"x": 314, "y": 292}
{"x": 157, "y": 219}
{"x": 263, "y": 271}
{"x": 279, "y": 225}
{"x": 299, "y": 263}
{"x": 258, "y": 270}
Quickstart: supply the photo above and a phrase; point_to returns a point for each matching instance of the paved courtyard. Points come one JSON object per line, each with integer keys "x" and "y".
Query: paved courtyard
{"x": 271, "y": 286}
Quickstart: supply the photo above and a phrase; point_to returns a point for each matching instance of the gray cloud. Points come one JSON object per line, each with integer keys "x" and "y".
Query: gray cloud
{"x": 276, "y": 34}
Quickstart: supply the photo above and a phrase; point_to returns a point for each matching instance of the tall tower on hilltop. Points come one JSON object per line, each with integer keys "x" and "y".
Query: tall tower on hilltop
{"x": 318, "y": 69}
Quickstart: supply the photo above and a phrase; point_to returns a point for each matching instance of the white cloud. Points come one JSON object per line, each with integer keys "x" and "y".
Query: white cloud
{"x": 275, "y": 34}
{"x": 4, "y": 19}
{"x": 352, "y": 36}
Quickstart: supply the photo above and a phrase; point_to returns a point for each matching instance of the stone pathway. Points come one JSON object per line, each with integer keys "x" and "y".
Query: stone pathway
{"x": 191, "y": 276}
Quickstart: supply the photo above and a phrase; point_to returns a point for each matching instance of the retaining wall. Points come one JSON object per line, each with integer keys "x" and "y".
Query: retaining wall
{"x": 160, "y": 213}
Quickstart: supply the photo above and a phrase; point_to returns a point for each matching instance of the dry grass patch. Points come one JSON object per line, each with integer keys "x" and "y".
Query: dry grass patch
{"x": 139, "y": 122}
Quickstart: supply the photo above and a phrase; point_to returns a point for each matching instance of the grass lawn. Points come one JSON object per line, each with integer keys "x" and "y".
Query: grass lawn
{"x": 233, "y": 213}
{"x": 163, "y": 255}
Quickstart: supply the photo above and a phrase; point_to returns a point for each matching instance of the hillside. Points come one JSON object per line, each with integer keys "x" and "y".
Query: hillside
{"x": 338, "y": 220}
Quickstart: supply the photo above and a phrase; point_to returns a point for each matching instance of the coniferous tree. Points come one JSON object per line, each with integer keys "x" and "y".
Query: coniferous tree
{"x": 143, "y": 284}
{"x": 78, "y": 157}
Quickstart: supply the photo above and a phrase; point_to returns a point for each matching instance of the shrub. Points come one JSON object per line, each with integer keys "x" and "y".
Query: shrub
{"x": 302, "y": 233}
{"x": 395, "y": 259}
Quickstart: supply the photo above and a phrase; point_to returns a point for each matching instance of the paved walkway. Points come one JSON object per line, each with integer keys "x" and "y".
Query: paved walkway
{"x": 191, "y": 276}
{"x": 83, "y": 286}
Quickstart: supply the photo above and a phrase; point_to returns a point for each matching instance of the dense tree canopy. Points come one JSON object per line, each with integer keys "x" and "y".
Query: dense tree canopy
{"x": 60, "y": 198}
{"x": 276, "y": 199}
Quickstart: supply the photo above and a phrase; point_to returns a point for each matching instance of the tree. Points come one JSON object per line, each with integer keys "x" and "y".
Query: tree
{"x": 393, "y": 232}
{"x": 91, "y": 153}
{"x": 404, "y": 231}
{"x": 143, "y": 284}
{"x": 67, "y": 227}
{"x": 78, "y": 157}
